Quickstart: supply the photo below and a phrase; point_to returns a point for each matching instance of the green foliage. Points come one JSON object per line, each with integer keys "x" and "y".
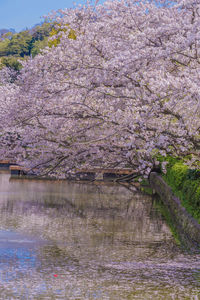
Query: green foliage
{"x": 55, "y": 31}
{"x": 28, "y": 42}
{"x": 7, "y": 35}
{"x": 40, "y": 32}
{"x": 177, "y": 174}
{"x": 185, "y": 183}
{"x": 20, "y": 45}
{"x": 38, "y": 46}
{"x": 171, "y": 160}
{"x": 4, "y": 45}
{"x": 193, "y": 174}
{"x": 11, "y": 62}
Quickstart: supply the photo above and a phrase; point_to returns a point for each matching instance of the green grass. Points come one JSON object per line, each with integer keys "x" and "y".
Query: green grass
{"x": 185, "y": 184}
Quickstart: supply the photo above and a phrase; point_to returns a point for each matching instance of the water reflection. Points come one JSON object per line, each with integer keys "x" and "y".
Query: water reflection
{"x": 63, "y": 240}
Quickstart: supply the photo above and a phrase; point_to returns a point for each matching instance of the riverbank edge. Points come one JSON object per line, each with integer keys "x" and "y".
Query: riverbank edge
{"x": 187, "y": 227}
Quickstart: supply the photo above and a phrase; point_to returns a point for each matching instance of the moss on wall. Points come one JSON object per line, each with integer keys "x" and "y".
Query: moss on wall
{"x": 165, "y": 212}
{"x": 184, "y": 227}
{"x": 185, "y": 184}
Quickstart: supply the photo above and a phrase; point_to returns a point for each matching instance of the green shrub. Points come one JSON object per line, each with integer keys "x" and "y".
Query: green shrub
{"x": 185, "y": 184}
{"x": 177, "y": 174}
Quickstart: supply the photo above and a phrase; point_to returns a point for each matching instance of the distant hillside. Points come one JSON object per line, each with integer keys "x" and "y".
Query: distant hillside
{"x": 3, "y": 31}
{"x": 18, "y": 46}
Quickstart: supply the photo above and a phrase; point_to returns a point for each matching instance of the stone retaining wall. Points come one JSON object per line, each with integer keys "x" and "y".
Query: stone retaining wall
{"x": 187, "y": 227}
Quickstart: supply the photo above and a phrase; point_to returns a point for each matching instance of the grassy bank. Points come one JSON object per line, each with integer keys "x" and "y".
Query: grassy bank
{"x": 185, "y": 184}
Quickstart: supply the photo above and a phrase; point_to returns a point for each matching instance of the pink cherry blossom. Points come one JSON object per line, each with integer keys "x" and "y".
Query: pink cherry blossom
{"x": 126, "y": 89}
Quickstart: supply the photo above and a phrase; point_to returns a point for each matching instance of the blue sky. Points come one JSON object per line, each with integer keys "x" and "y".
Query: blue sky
{"x": 19, "y": 14}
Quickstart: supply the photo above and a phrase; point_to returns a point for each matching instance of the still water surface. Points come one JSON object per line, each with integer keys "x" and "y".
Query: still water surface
{"x": 62, "y": 240}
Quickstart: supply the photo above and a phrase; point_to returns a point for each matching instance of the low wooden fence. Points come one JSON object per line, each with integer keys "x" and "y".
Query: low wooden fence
{"x": 91, "y": 174}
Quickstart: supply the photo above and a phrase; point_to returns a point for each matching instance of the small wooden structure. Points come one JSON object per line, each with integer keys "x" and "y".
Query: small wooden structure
{"x": 17, "y": 170}
{"x": 5, "y": 164}
{"x": 104, "y": 174}
{"x": 90, "y": 174}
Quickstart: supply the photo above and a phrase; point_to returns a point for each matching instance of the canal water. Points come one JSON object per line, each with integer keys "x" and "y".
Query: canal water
{"x": 62, "y": 240}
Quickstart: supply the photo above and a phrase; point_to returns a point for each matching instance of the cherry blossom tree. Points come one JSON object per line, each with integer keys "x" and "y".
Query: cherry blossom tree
{"x": 126, "y": 89}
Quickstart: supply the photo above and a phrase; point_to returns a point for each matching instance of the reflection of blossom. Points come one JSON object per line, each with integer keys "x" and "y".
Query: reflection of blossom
{"x": 96, "y": 234}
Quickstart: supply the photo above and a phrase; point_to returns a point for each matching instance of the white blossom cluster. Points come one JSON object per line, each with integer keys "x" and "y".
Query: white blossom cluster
{"x": 126, "y": 89}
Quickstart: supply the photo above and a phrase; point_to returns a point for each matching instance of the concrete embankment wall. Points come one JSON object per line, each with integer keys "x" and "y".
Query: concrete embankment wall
{"x": 187, "y": 227}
